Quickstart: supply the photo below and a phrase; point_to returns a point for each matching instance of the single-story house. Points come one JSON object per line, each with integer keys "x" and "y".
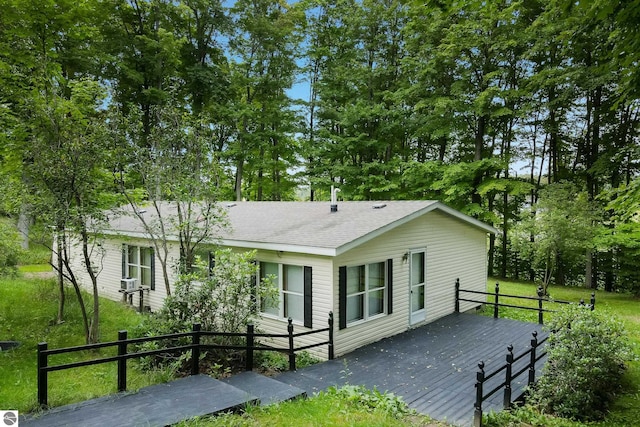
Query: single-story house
{"x": 380, "y": 267}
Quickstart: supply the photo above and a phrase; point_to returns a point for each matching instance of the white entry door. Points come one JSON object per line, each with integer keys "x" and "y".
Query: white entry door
{"x": 417, "y": 281}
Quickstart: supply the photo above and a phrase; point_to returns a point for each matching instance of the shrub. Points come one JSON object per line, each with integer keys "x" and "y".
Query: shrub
{"x": 222, "y": 300}
{"x": 524, "y": 416}
{"x": 373, "y": 400}
{"x": 586, "y": 360}
{"x": 274, "y": 361}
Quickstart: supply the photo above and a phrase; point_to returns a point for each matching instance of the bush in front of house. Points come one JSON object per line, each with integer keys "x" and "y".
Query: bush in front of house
{"x": 586, "y": 360}
{"x": 221, "y": 299}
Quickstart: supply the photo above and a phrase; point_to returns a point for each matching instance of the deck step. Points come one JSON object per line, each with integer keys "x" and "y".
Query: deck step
{"x": 267, "y": 390}
{"x": 156, "y": 405}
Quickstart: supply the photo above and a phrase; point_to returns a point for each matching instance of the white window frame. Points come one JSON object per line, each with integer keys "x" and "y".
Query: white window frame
{"x": 139, "y": 265}
{"x": 366, "y": 292}
{"x": 282, "y": 314}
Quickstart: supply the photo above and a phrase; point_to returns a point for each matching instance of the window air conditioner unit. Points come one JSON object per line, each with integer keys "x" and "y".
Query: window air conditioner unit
{"x": 128, "y": 284}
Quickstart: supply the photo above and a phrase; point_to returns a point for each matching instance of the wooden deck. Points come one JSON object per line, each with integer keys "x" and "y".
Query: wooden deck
{"x": 433, "y": 368}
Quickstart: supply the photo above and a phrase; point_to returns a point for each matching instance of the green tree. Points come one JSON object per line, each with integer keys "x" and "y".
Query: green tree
{"x": 179, "y": 171}
{"x": 357, "y": 124}
{"x": 565, "y": 226}
{"x": 262, "y": 48}
{"x": 622, "y": 235}
{"x": 71, "y": 190}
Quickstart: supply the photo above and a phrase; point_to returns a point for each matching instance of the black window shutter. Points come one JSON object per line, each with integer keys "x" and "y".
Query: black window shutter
{"x": 389, "y": 286}
{"x": 254, "y": 289}
{"x": 342, "y": 297}
{"x": 125, "y": 273}
{"x": 308, "y": 301}
{"x": 153, "y": 269}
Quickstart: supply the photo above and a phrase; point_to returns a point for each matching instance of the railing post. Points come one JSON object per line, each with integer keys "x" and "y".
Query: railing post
{"x": 122, "y": 362}
{"x": 331, "y": 350}
{"x": 292, "y": 353}
{"x": 457, "y": 295}
{"x": 540, "y": 311}
{"x": 593, "y": 301}
{"x": 532, "y": 361}
{"x": 250, "y": 345}
{"x": 195, "y": 349}
{"x": 477, "y": 413}
{"x": 495, "y": 306}
{"x": 506, "y": 402}
{"x": 42, "y": 374}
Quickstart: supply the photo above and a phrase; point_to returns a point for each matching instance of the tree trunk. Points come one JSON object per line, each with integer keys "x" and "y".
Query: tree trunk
{"x": 505, "y": 234}
{"x": 238, "y": 183}
{"x": 61, "y": 297}
{"x": 24, "y": 223}
{"x": 588, "y": 270}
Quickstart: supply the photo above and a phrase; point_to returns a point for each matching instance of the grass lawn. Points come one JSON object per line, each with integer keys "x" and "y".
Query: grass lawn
{"x": 28, "y": 310}
{"x": 323, "y": 410}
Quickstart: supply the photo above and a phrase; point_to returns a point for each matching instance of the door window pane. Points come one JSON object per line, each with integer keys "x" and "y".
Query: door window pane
{"x": 417, "y": 298}
{"x": 417, "y": 268}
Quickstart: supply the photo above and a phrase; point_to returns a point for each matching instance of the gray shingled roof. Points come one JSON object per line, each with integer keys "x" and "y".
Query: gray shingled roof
{"x": 308, "y": 227}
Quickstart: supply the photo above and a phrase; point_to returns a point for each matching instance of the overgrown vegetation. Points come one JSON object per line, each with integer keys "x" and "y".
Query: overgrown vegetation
{"x": 625, "y": 409}
{"x": 222, "y": 298}
{"x": 586, "y": 360}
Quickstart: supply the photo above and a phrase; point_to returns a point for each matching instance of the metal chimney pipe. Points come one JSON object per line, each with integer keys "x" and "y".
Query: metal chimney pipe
{"x": 334, "y": 199}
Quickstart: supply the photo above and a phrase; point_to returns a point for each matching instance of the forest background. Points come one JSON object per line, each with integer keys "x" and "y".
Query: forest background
{"x": 523, "y": 114}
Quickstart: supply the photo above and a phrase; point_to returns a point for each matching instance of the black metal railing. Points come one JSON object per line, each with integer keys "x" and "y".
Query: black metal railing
{"x": 540, "y": 298}
{"x": 533, "y": 355}
{"x": 195, "y": 346}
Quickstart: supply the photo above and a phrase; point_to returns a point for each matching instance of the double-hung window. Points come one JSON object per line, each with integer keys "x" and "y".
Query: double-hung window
{"x": 138, "y": 263}
{"x": 364, "y": 292}
{"x": 293, "y": 296}
{"x": 206, "y": 262}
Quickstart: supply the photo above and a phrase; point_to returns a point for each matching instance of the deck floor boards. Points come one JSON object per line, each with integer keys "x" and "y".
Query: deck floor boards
{"x": 433, "y": 367}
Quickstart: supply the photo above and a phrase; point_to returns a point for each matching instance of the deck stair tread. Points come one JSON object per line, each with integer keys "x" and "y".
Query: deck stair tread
{"x": 156, "y": 405}
{"x": 267, "y": 390}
